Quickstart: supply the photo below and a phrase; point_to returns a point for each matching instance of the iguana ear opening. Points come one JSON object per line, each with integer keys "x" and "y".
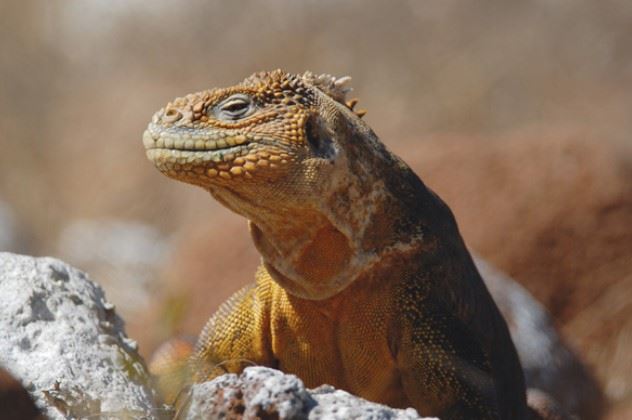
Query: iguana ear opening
{"x": 319, "y": 139}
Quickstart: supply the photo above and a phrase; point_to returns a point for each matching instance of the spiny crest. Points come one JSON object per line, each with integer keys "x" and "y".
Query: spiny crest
{"x": 276, "y": 79}
{"x": 334, "y": 87}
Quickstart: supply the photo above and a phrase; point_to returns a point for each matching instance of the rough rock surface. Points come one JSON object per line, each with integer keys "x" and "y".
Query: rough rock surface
{"x": 66, "y": 345}
{"x": 63, "y": 340}
{"x": 340, "y": 405}
{"x": 261, "y": 392}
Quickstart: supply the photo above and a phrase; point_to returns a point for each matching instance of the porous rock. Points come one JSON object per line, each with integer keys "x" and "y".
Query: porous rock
{"x": 63, "y": 340}
{"x": 266, "y": 393}
{"x": 335, "y": 404}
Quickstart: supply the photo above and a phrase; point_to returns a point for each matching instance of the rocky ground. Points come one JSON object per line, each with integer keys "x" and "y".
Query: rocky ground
{"x": 63, "y": 343}
{"x": 64, "y": 354}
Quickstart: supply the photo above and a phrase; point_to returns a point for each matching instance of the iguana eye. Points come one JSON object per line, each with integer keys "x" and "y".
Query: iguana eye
{"x": 234, "y": 107}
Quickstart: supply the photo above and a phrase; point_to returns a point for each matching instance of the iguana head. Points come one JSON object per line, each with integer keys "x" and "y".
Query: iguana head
{"x": 290, "y": 154}
{"x": 248, "y": 136}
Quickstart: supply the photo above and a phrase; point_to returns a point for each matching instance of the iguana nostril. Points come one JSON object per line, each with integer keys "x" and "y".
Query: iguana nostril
{"x": 171, "y": 115}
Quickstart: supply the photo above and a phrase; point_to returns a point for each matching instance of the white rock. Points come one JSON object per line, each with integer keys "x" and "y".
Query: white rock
{"x": 63, "y": 340}
{"x": 335, "y": 404}
{"x": 256, "y": 391}
{"x": 263, "y": 392}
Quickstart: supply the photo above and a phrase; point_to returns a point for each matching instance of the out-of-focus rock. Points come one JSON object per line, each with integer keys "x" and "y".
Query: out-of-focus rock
{"x": 546, "y": 407}
{"x": 622, "y": 410}
{"x": 9, "y": 240}
{"x": 604, "y": 332}
{"x": 7, "y": 227}
{"x": 15, "y": 401}
{"x": 550, "y": 366}
{"x": 125, "y": 256}
{"x": 548, "y": 207}
{"x": 266, "y": 393}
{"x": 65, "y": 342}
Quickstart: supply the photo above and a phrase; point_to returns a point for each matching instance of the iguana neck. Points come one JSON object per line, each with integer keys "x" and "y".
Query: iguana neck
{"x": 364, "y": 216}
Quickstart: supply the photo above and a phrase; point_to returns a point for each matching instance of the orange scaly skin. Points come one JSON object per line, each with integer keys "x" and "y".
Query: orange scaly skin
{"x": 365, "y": 282}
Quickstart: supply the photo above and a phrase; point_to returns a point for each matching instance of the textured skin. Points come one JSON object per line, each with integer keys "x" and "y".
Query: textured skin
{"x": 365, "y": 282}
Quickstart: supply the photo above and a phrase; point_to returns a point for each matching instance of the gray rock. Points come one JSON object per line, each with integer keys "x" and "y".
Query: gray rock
{"x": 335, "y": 404}
{"x": 125, "y": 256}
{"x": 269, "y": 393}
{"x": 63, "y": 340}
{"x": 258, "y": 391}
{"x": 549, "y": 364}
{"x": 8, "y": 229}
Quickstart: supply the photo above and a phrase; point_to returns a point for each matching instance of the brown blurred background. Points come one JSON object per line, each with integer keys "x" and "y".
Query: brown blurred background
{"x": 519, "y": 114}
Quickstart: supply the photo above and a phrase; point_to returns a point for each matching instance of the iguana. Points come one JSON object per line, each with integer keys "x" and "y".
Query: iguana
{"x": 365, "y": 281}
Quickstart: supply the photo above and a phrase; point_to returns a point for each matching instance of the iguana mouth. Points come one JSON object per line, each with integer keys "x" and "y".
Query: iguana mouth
{"x": 199, "y": 156}
{"x": 189, "y": 141}
{"x": 200, "y": 159}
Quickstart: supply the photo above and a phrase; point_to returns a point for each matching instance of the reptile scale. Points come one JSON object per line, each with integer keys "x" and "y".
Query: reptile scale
{"x": 365, "y": 281}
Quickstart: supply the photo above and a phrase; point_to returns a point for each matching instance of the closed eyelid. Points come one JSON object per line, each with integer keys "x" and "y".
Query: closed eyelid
{"x": 234, "y": 107}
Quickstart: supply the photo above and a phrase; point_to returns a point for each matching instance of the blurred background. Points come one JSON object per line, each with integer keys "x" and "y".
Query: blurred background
{"x": 519, "y": 114}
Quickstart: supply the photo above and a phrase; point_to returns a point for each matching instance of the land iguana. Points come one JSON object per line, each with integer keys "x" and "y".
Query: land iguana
{"x": 365, "y": 281}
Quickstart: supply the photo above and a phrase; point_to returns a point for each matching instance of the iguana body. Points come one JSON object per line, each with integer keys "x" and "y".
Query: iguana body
{"x": 365, "y": 282}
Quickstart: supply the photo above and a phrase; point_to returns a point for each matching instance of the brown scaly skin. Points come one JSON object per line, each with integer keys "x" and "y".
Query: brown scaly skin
{"x": 365, "y": 282}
